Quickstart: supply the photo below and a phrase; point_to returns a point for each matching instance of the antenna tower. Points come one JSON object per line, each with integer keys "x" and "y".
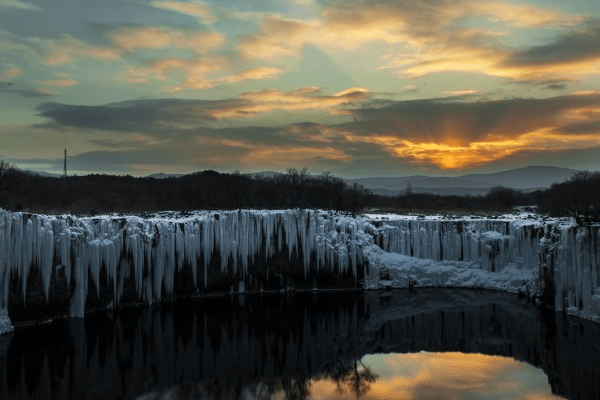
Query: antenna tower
{"x": 65, "y": 168}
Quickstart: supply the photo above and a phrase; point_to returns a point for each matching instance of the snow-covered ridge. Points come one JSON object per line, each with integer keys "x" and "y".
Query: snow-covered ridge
{"x": 521, "y": 254}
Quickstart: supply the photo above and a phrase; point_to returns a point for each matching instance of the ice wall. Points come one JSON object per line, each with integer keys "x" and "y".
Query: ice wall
{"x": 570, "y": 255}
{"x": 490, "y": 244}
{"x": 155, "y": 248}
{"x": 536, "y": 256}
{"x": 510, "y": 254}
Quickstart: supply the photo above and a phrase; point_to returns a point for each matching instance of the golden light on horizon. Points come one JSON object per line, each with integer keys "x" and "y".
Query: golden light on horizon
{"x": 453, "y": 152}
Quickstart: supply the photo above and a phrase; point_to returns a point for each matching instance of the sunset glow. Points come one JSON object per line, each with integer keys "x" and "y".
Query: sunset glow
{"x": 356, "y": 87}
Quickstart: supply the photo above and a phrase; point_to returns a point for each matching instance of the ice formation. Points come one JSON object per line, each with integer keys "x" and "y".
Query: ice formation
{"x": 518, "y": 254}
{"x": 157, "y": 247}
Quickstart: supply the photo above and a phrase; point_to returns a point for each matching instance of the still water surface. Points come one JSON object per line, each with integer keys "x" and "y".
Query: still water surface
{"x": 432, "y": 344}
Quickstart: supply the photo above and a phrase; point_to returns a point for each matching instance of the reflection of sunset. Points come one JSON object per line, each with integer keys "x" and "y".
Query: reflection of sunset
{"x": 444, "y": 376}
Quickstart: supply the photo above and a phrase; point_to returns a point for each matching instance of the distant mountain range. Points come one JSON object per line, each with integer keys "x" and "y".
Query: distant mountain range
{"x": 524, "y": 179}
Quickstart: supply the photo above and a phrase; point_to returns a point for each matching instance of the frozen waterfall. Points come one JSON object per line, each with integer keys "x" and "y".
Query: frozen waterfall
{"x": 105, "y": 261}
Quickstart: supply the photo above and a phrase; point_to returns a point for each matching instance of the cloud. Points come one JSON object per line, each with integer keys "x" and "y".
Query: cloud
{"x": 456, "y": 135}
{"x": 8, "y": 45}
{"x": 65, "y": 49}
{"x": 154, "y": 115}
{"x": 18, "y": 5}
{"x": 7, "y": 87}
{"x": 60, "y": 82}
{"x": 195, "y": 9}
{"x": 127, "y": 117}
{"x": 196, "y": 71}
{"x": 574, "y": 53}
{"x": 431, "y": 37}
{"x": 465, "y": 92}
{"x": 445, "y": 133}
{"x": 257, "y": 73}
{"x": 165, "y": 37}
{"x": 522, "y": 16}
{"x": 10, "y": 73}
{"x": 302, "y": 99}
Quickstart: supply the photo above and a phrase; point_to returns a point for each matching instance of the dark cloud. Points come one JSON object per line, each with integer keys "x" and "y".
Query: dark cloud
{"x": 128, "y": 116}
{"x": 582, "y": 128}
{"x": 438, "y": 120}
{"x": 8, "y": 87}
{"x": 582, "y": 44}
{"x": 557, "y": 86}
{"x": 155, "y": 115}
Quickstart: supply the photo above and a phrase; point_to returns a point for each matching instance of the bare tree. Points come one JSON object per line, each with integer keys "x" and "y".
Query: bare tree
{"x": 294, "y": 181}
{"x": 10, "y": 176}
{"x": 583, "y": 199}
{"x": 335, "y": 189}
{"x": 357, "y": 198}
{"x": 237, "y": 186}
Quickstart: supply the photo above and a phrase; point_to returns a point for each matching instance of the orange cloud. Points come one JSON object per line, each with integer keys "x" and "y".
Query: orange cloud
{"x": 164, "y": 37}
{"x": 465, "y": 92}
{"x": 10, "y": 73}
{"x": 449, "y": 156}
{"x": 522, "y": 16}
{"x": 253, "y": 73}
{"x": 297, "y": 100}
{"x": 195, "y": 71}
{"x": 64, "y": 50}
{"x": 60, "y": 82}
{"x": 194, "y": 9}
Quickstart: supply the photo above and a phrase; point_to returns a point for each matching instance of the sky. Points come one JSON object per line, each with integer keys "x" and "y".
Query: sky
{"x": 356, "y": 88}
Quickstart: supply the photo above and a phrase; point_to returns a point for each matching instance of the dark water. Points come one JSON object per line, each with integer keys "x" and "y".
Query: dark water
{"x": 429, "y": 344}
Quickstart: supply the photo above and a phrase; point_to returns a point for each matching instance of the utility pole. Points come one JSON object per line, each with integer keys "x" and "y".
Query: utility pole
{"x": 65, "y": 168}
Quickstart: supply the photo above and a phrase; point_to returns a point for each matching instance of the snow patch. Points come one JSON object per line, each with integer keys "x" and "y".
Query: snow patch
{"x": 388, "y": 270}
{"x": 5, "y": 324}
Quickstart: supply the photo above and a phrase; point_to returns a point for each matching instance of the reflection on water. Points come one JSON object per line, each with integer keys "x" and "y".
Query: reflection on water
{"x": 452, "y": 376}
{"x": 445, "y": 344}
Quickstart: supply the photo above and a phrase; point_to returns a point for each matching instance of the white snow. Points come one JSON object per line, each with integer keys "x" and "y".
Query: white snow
{"x": 504, "y": 253}
{"x": 388, "y": 270}
{"x": 5, "y": 324}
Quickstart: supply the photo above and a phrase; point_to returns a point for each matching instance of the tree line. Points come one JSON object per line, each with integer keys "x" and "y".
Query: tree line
{"x": 578, "y": 197}
{"x": 296, "y": 188}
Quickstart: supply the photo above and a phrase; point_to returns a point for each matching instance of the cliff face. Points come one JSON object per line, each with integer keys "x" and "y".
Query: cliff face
{"x": 62, "y": 265}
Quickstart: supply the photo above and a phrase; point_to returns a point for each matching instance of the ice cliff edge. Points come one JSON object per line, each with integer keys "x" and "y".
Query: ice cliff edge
{"x": 66, "y": 265}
